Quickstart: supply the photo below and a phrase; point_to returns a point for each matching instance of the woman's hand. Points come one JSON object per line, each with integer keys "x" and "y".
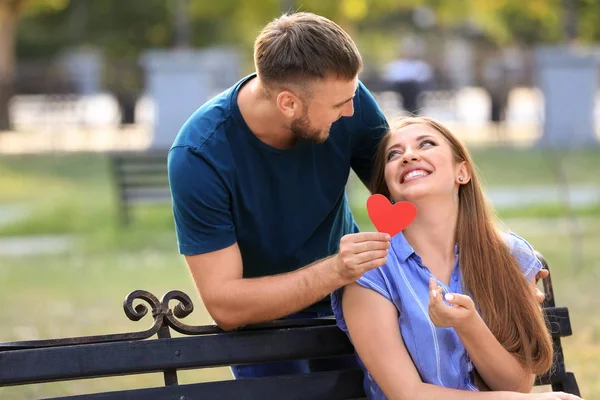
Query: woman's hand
{"x": 457, "y": 314}
{"x": 539, "y": 295}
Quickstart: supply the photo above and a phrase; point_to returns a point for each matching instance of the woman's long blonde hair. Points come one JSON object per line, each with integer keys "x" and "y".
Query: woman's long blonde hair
{"x": 490, "y": 273}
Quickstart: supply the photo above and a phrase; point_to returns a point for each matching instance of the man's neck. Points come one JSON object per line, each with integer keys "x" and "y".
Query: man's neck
{"x": 262, "y": 117}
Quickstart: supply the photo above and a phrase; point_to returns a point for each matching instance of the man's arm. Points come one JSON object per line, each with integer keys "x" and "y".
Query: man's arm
{"x": 207, "y": 237}
{"x": 234, "y": 301}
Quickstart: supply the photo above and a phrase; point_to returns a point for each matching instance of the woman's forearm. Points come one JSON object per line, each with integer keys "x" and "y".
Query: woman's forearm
{"x": 499, "y": 369}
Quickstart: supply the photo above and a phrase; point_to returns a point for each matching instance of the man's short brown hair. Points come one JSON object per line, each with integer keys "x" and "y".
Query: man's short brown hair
{"x": 301, "y": 47}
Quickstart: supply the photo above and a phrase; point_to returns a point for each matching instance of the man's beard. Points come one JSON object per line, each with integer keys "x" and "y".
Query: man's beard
{"x": 302, "y": 129}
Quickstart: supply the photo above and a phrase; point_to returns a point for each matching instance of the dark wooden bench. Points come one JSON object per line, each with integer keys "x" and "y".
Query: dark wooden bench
{"x": 31, "y": 362}
{"x": 140, "y": 178}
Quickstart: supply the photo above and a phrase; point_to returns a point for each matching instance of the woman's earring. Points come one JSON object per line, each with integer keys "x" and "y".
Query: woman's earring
{"x": 460, "y": 178}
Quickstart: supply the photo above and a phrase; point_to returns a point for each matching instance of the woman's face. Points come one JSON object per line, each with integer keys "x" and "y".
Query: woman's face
{"x": 419, "y": 163}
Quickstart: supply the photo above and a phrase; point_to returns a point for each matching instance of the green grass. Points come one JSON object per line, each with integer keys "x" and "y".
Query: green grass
{"x": 534, "y": 166}
{"x": 80, "y": 292}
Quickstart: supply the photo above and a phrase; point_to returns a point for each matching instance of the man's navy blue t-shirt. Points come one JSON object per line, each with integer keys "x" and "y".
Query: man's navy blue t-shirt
{"x": 284, "y": 208}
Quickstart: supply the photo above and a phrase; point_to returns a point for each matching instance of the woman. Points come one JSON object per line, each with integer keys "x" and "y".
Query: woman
{"x": 452, "y": 312}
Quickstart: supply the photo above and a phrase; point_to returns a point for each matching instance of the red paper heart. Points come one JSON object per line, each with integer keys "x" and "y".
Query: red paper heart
{"x": 390, "y": 218}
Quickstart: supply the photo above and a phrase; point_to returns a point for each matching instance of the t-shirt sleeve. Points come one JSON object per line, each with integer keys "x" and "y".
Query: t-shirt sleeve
{"x": 374, "y": 279}
{"x": 201, "y": 203}
{"x": 371, "y": 126}
{"x": 525, "y": 255}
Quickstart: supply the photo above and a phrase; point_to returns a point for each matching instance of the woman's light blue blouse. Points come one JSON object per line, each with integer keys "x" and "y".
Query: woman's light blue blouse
{"x": 437, "y": 353}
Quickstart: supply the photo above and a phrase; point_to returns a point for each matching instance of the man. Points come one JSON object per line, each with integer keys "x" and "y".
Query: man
{"x": 258, "y": 178}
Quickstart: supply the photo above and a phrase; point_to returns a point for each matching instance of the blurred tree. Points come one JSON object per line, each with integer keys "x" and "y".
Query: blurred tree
{"x": 182, "y": 24}
{"x": 589, "y": 20}
{"x": 10, "y": 13}
{"x": 124, "y": 28}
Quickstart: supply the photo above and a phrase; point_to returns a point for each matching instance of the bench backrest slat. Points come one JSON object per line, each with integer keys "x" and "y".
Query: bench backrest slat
{"x": 98, "y": 360}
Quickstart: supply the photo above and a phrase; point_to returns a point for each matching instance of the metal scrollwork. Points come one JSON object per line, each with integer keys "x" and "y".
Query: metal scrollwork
{"x": 138, "y": 312}
{"x": 164, "y": 318}
{"x": 183, "y": 308}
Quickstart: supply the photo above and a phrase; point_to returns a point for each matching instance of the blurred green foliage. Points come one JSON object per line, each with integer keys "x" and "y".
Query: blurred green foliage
{"x": 124, "y": 28}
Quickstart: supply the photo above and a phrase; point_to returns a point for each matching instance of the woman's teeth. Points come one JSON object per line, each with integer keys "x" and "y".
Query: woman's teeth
{"x": 415, "y": 173}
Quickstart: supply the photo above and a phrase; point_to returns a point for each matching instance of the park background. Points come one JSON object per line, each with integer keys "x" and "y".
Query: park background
{"x": 83, "y": 79}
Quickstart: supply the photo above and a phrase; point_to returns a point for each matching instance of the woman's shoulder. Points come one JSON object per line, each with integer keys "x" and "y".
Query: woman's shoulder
{"x": 516, "y": 243}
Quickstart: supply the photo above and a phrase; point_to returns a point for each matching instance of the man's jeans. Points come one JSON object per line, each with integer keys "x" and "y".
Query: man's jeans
{"x": 295, "y": 366}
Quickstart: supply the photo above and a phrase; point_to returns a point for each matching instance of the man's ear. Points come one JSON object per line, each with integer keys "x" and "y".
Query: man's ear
{"x": 288, "y": 103}
{"x": 463, "y": 174}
